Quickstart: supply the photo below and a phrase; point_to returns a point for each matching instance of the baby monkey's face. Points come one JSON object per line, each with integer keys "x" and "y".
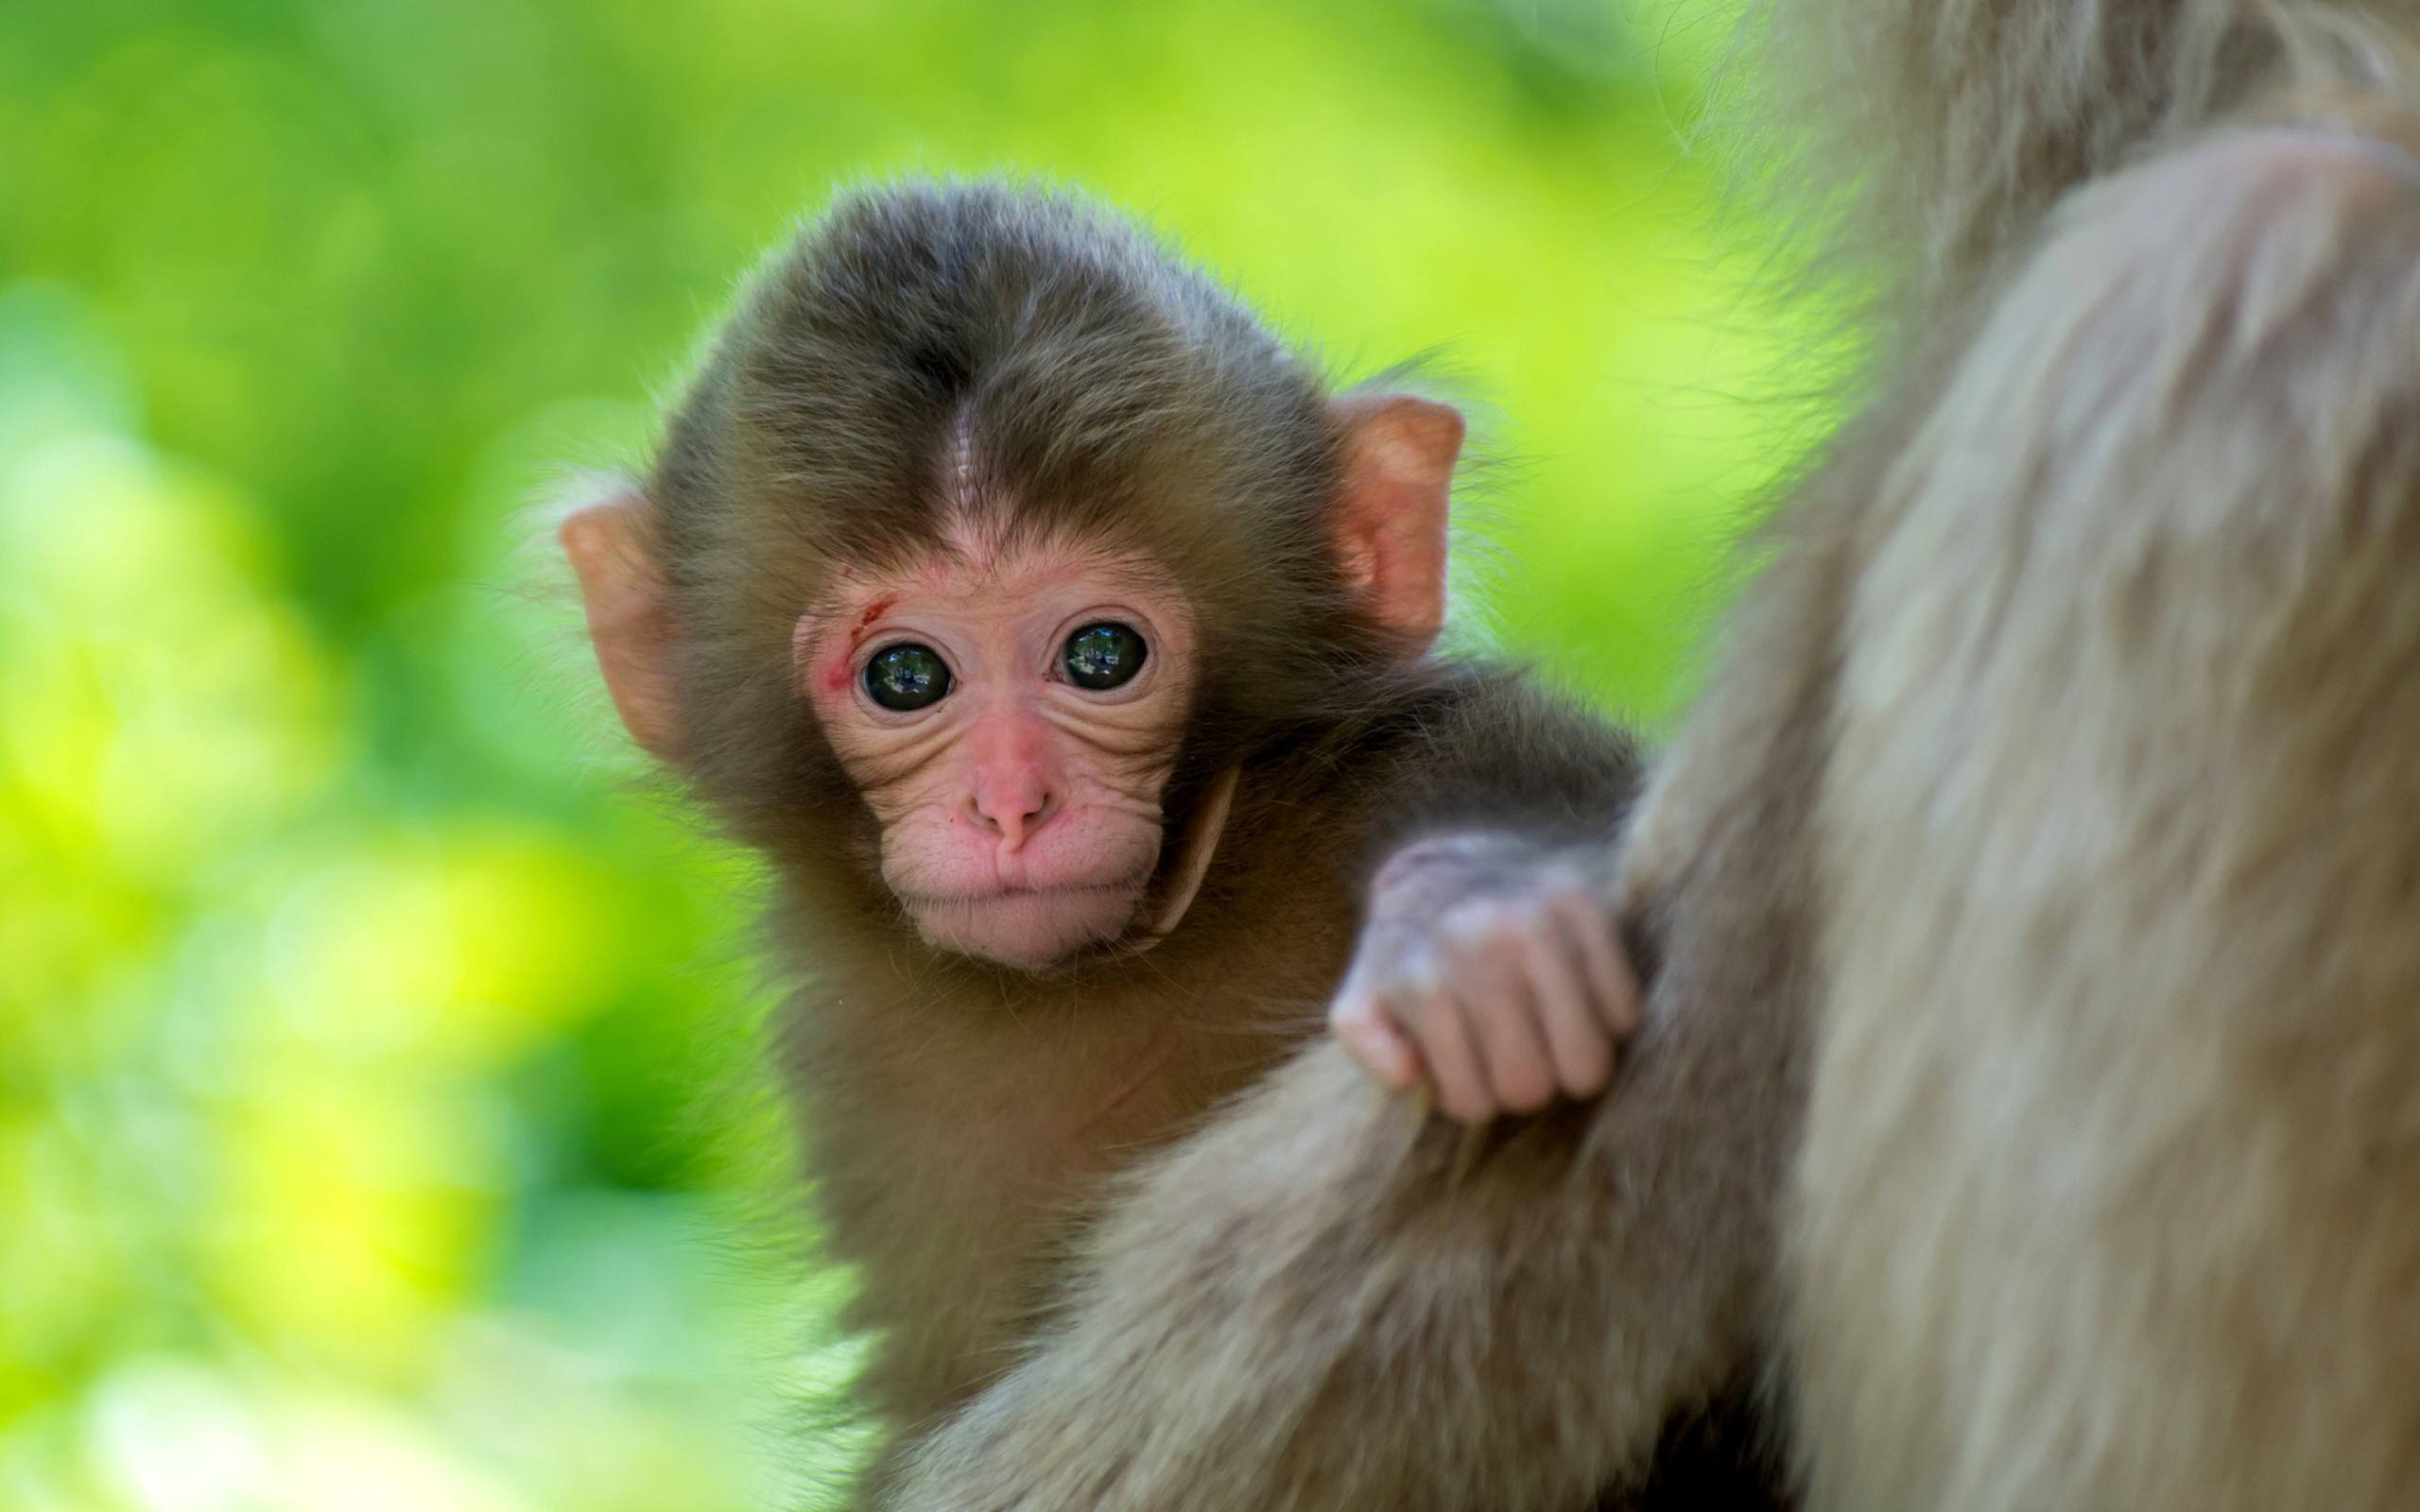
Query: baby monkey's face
{"x": 1012, "y": 717}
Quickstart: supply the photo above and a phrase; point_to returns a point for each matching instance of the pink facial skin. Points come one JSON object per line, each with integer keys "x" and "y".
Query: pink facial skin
{"x": 1020, "y": 813}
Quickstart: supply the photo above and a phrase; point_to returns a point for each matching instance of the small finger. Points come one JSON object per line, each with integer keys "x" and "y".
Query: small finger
{"x": 1372, "y": 1038}
{"x": 1577, "y": 1037}
{"x": 1613, "y": 987}
{"x": 1454, "y": 1063}
{"x": 1510, "y": 1038}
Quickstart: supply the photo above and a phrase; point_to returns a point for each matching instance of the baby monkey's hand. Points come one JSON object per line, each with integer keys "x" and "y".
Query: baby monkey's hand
{"x": 1497, "y": 977}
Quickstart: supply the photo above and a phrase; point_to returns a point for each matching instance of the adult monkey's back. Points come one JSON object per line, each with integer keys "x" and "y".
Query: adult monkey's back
{"x": 2056, "y": 813}
{"x": 2111, "y": 1191}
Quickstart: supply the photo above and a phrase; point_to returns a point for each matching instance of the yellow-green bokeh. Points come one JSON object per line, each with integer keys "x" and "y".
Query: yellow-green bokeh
{"x": 373, "y": 1062}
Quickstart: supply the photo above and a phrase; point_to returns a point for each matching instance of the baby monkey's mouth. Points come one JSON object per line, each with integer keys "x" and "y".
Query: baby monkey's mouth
{"x": 1029, "y": 927}
{"x": 1013, "y": 890}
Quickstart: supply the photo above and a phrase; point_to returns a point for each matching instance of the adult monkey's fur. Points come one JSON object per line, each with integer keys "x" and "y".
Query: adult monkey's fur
{"x": 2050, "y": 836}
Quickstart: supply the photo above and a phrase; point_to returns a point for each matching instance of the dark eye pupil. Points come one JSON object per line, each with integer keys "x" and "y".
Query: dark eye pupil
{"x": 907, "y": 677}
{"x": 1104, "y": 656}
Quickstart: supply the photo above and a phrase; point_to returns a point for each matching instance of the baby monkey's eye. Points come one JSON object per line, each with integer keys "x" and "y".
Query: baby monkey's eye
{"x": 907, "y": 677}
{"x": 1103, "y": 656}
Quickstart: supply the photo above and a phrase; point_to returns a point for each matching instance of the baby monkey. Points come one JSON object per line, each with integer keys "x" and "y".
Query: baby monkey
{"x": 1065, "y": 647}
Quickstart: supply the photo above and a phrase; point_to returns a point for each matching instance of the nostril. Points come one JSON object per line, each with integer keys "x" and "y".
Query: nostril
{"x": 1012, "y": 817}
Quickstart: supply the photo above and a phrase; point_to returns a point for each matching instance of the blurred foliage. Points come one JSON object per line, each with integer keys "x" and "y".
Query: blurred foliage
{"x": 374, "y": 1088}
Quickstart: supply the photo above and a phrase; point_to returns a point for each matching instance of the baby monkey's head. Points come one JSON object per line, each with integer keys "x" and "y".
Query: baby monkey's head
{"x": 990, "y": 544}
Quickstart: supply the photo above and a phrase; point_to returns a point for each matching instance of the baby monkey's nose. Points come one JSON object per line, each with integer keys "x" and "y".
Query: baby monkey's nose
{"x": 1013, "y": 808}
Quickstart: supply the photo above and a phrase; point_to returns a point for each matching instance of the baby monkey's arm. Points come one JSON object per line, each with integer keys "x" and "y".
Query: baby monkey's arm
{"x": 1490, "y": 969}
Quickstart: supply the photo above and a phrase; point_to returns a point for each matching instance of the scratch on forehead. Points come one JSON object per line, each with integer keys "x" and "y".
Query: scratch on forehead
{"x": 873, "y": 612}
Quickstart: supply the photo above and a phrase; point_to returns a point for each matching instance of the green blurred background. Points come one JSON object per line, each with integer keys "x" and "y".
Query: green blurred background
{"x": 377, "y": 1126}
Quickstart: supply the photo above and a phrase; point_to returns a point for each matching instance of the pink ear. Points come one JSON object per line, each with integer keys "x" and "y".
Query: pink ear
{"x": 611, "y": 545}
{"x": 1390, "y": 522}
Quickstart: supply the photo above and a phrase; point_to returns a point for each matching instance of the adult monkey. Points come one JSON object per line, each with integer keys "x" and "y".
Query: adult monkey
{"x": 2049, "y": 842}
